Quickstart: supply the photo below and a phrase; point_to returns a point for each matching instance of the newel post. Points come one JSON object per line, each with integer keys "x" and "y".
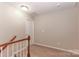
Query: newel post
{"x": 28, "y": 53}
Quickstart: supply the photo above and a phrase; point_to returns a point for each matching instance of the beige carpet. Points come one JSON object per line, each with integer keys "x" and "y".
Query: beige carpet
{"x": 40, "y": 51}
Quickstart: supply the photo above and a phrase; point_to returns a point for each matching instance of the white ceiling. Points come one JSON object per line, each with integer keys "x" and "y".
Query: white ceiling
{"x": 43, "y": 7}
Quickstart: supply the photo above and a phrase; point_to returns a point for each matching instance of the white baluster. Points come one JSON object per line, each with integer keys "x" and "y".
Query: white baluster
{"x": 18, "y": 49}
{"x": 7, "y": 51}
{"x": 22, "y": 48}
{"x": 12, "y": 49}
{"x": 24, "y": 43}
{"x": 26, "y": 46}
{"x": 1, "y": 52}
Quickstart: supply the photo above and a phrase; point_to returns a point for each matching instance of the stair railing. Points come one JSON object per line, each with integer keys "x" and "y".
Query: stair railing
{"x": 13, "y": 48}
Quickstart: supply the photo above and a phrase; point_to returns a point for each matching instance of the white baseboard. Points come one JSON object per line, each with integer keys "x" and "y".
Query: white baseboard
{"x": 71, "y": 51}
{"x": 75, "y": 51}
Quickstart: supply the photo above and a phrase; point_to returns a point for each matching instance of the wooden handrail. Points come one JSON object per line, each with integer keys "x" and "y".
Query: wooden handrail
{"x": 4, "y": 47}
{"x": 14, "y": 42}
{"x": 9, "y": 41}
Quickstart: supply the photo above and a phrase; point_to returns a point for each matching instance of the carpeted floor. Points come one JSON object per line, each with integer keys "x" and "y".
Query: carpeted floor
{"x": 40, "y": 51}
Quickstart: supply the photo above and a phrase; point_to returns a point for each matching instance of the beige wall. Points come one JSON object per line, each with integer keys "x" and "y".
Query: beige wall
{"x": 12, "y": 22}
{"x": 78, "y": 29}
{"x": 58, "y": 29}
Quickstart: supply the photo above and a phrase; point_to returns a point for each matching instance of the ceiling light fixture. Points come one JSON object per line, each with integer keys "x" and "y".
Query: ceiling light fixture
{"x": 58, "y": 4}
{"x": 25, "y": 7}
